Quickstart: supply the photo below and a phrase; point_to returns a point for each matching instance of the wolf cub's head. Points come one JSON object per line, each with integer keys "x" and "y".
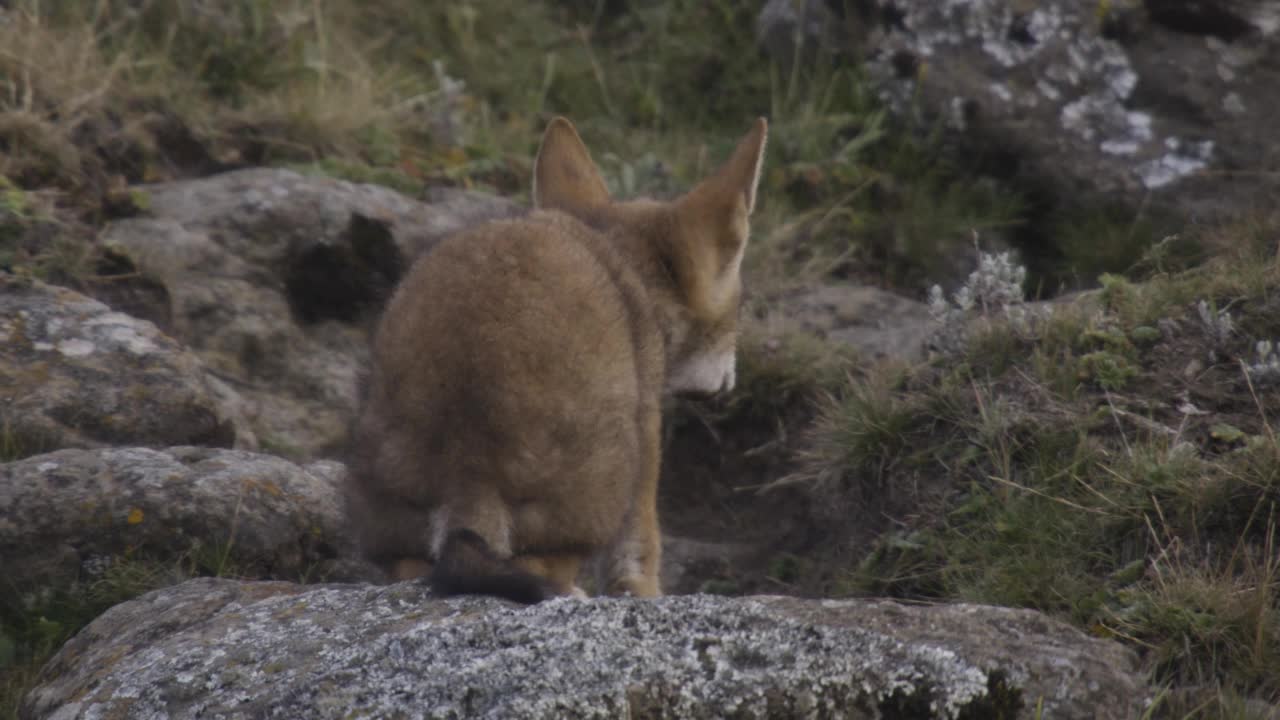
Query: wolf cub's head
{"x": 689, "y": 250}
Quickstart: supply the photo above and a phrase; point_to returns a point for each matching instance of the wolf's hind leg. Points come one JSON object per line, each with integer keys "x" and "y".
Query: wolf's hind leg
{"x": 630, "y": 565}
{"x": 558, "y": 569}
{"x": 408, "y": 568}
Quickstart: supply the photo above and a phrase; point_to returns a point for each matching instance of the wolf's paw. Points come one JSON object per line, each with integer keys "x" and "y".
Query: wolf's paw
{"x": 636, "y": 586}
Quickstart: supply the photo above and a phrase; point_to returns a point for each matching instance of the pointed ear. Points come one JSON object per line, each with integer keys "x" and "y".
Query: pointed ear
{"x": 731, "y": 191}
{"x": 740, "y": 175}
{"x": 564, "y": 176}
{"x": 712, "y": 224}
{"x": 744, "y": 166}
{"x": 724, "y": 201}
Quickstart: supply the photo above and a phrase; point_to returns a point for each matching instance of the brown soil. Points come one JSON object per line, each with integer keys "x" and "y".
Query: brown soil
{"x": 725, "y": 533}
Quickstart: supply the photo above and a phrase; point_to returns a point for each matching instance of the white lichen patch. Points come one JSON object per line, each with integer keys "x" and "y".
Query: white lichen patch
{"x": 1117, "y": 130}
{"x": 1183, "y": 161}
{"x": 76, "y": 347}
{"x": 123, "y": 332}
{"x": 1120, "y": 147}
{"x": 1037, "y": 58}
{"x": 1266, "y": 18}
{"x": 77, "y": 327}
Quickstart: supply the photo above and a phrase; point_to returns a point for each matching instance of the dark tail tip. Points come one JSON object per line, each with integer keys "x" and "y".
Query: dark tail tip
{"x": 468, "y": 566}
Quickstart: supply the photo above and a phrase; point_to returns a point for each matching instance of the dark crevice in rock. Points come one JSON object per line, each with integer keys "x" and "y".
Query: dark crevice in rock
{"x": 183, "y": 152}
{"x": 1169, "y": 101}
{"x": 348, "y": 279}
{"x": 1198, "y": 17}
{"x": 1033, "y": 238}
{"x": 1020, "y": 31}
{"x": 118, "y": 283}
{"x": 916, "y": 705}
{"x": 990, "y": 155}
{"x": 905, "y": 64}
{"x": 1002, "y": 701}
{"x": 893, "y": 17}
{"x": 1124, "y": 27}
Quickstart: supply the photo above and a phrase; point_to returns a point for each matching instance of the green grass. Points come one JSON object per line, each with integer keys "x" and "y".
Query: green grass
{"x": 36, "y": 621}
{"x": 862, "y": 434}
{"x": 1074, "y": 487}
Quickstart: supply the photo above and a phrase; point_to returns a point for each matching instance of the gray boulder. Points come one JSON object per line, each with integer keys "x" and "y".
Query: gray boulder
{"x": 218, "y": 648}
{"x": 272, "y": 277}
{"x": 875, "y": 322}
{"x": 75, "y": 374}
{"x": 65, "y": 515}
{"x": 1169, "y": 104}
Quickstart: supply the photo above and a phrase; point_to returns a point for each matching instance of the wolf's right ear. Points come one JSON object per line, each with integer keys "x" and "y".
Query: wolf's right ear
{"x": 564, "y": 176}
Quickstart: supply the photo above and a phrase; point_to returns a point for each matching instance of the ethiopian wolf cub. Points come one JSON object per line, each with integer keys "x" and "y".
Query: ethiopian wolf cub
{"x": 511, "y": 426}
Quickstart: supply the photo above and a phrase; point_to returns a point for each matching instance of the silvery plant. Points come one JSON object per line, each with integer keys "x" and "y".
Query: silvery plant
{"x": 992, "y": 291}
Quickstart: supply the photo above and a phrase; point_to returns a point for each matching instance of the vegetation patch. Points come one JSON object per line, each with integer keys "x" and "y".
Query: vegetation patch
{"x": 1128, "y": 486}
{"x": 36, "y": 621}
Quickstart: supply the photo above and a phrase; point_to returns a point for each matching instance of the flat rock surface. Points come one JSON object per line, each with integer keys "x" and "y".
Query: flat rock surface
{"x": 877, "y": 323}
{"x": 220, "y": 648}
{"x": 73, "y": 373}
{"x": 64, "y": 514}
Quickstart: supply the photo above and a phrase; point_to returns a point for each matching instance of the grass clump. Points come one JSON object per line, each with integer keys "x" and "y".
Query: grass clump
{"x": 781, "y": 372}
{"x": 863, "y": 434}
{"x": 35, "y": 622}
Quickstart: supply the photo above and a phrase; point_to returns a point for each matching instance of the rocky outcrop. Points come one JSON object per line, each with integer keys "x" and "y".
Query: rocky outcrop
{"x": 68, "y": 514}
{"x": 214, "y": 648}
{"x": 75, "y": 374}
{"x": 1169, "y": 103}
{"x": 271, "y": 276}
{"x": 876, "y": 323}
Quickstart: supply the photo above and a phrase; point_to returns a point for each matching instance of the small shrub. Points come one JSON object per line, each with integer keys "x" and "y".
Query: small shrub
{"x": 1266, "y": 370}
{"x": 1109, "y": 370}
{"x": 1145, "y": 335}
{"x": 1218, "y": 324}
{"x": 993, "y": 292}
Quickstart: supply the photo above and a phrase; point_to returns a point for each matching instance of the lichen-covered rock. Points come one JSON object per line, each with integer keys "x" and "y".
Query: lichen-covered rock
{"x": 270, "y": 276}
{"x": 1168, "y": 103}
{"x": 65, "y": 515}
{"x": 216, "y": 648}
{"x": 75, "y": 374}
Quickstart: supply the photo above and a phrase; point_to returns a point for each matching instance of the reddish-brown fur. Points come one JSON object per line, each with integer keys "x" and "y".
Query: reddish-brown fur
{"x": 512, "y": 417}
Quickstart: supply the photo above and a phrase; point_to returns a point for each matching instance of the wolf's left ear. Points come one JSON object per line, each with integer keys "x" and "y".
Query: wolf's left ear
{"x": 564, "y": 176}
